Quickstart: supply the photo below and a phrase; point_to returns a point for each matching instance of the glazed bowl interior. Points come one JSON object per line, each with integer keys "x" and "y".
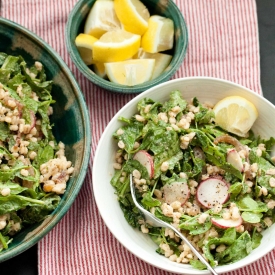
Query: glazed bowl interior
{"x": 168, "y": 8}
{"x": 205, "y": 89}
{"x": 70, "y": 118}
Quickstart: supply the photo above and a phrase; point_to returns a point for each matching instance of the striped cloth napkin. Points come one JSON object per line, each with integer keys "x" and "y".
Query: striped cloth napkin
{"x": 223, "y": 42}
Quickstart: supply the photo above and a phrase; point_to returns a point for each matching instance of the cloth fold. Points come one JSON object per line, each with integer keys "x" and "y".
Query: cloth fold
{"x": 223, "y": 43}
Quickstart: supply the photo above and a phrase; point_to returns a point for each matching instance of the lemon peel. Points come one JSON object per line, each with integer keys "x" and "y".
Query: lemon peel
{"x": 99, "y": 69}
{"x": 133, "y": 15}
{"x": 116, "y": 46}
{"x": 84, "y": 44}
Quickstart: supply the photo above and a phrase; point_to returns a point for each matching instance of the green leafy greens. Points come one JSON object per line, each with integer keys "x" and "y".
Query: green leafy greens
{"x": 26, "y": 92}
{"x": 186, "y": 142}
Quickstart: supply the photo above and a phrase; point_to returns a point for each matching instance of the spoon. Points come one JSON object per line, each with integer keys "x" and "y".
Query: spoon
{"x": 154, "y": 221}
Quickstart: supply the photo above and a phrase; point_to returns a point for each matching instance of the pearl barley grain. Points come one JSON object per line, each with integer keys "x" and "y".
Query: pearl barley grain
{"x": 24, "y": 172}
{"x": 117, "y": 166}
{"x": 121, "y": 144}
{"x": 164, "y": 166}
{"x": 5, "y": 191}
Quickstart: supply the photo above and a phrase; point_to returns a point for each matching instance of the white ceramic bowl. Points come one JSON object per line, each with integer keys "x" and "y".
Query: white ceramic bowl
{"x": 205, "y": 89}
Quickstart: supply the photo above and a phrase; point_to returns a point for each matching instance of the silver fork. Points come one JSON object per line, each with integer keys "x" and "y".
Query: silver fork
{"x": 154, "y": 221}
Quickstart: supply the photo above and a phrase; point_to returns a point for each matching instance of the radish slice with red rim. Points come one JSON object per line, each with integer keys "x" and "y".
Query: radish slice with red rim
{"x": 212, "y": 191}
{"x": 176, "y": 191}
{"x": 33, "y": 120}
{"x": 222, "y": 223}
{"x": 146, "y": 160}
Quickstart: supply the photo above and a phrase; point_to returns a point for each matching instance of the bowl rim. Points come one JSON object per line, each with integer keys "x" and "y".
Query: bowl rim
{"x": 108, "y": 223}
{"x": 48, "y": 225}
{"x": 114, "y": 87}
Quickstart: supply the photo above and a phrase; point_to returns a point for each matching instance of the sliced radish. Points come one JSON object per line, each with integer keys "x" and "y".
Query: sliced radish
{"x": 19, "y": 108}
{"x": 212, "y": 191}
{"x": 234, "y": 159}
{"x": 33, "y": 120}
{"x": 222, "y": 223}
{"x": 146, "y": 160}
{"x": 176, "y": 191}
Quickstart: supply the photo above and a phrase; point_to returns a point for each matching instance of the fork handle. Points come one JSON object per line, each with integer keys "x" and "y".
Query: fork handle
{"x": 166, "y": 224}
{"x": 199, "y": 255}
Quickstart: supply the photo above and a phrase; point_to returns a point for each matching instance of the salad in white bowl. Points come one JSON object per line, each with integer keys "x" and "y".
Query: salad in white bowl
{"x": 212, "y": 181}
{"x": 216, "y": 187}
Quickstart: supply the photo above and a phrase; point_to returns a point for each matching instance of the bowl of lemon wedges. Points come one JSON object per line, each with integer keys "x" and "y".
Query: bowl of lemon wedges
{"x": 126, "y": 46}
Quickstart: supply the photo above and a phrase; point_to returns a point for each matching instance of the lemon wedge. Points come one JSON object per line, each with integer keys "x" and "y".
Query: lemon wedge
{"x": 101, "y": 18}
{"x": 99, "y": 69}
{"x": 116, "y": 46}
{"x": 161, "y": 61}
{"x": 159, "y": 35}
{"x": 84, "y": 44}
{"x": 130, "y": 72}
{"x": 235, "y": 114}
{"x": 133, "y": 15}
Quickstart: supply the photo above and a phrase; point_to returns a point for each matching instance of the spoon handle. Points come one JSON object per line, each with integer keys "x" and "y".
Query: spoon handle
{"x": 194, "y": 250}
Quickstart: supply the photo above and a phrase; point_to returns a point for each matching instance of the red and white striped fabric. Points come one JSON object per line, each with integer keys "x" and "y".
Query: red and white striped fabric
{"x": 223, "y": 42}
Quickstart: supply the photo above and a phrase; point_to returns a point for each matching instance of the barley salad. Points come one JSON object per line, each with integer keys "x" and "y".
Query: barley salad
{"x": 33, "y": 166}
{"x": 216, "y": 187}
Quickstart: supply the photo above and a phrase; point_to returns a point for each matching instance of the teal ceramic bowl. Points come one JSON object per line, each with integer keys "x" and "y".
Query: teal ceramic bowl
{"x": 70, "y": 118}
{"x": 167, "y": 8}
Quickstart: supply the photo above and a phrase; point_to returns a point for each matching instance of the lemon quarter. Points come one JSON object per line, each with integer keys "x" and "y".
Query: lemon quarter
{"x": 116, "y": 46}
{"x": 235, "y": 114}
{"x": 161, "y": 61}
{"x": 84, "y": 44}
{"x": 133, "y": 15}
{"x": 159, "y": 36}
{"x": 130, "y": 72}
{"x": 99, "y": 69}
{"x": 101, "y": 18}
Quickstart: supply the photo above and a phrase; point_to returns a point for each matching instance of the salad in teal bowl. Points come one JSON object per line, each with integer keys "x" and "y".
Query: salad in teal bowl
{"x": 44, "y": 139}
